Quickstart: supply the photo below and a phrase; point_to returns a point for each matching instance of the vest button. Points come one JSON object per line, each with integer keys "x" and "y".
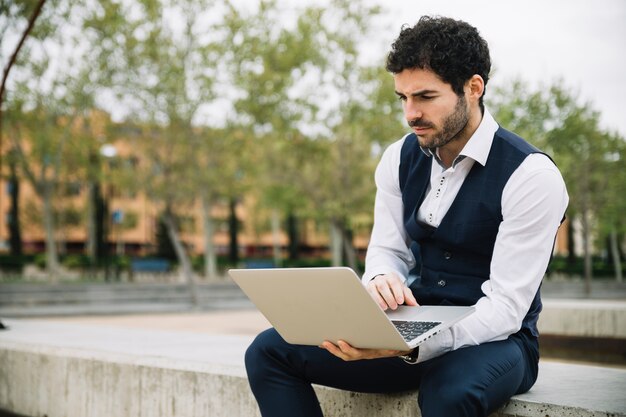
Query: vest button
{"x": 447, "y": 255}
{"x": 441, "y": 283}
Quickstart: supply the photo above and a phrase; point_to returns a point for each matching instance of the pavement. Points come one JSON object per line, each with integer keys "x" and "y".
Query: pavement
{"x": 247, "y": 322}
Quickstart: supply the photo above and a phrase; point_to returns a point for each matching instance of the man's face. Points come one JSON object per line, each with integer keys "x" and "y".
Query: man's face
{"x": 434, "y": 112}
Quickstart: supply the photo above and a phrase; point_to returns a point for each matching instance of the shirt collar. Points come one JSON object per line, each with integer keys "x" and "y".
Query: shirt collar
{"x": 479, "y": 145}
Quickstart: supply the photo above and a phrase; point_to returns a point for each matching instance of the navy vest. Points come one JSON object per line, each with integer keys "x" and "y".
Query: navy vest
{"x": 454, "y": 259}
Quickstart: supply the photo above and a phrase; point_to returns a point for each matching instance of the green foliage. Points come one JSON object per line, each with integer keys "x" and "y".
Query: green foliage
{"x": 11, "y": 263}
{"x": 562, "y": 265}
{"x": 592, "y": 160}
{"x": 40, "y": 260}
{"x": 76, "y": 261}
{"x": 299, "y": 127}
{"x": 223, "y": 264}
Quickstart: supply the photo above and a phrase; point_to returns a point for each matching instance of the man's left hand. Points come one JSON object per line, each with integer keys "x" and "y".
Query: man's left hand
{"x": 345, "y": 351}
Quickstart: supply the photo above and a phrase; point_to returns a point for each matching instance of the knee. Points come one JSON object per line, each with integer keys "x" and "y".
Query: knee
{"x": 258, "y": 356}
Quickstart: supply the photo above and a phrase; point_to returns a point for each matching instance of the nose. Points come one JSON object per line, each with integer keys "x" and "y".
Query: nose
{"x": 412, "y": 110}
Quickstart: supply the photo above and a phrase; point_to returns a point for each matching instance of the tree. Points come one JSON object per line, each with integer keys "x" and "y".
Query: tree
{"x": 220, "y": 176}
{"x": 9, "y": 14}
{"x": 613, "y": 205}
{"x": 267, "y": 59}
{"x": 163, "y": 70}
{"x": 42, "y": 141}
{"x": 355, "y": 124}
{"x": 50, "y": 92}
{"x": 588, "y": 157}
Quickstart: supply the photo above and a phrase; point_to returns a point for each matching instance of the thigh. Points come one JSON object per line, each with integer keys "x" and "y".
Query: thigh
{"x": 473, "y": 381}
{"x": 315, "y": 365}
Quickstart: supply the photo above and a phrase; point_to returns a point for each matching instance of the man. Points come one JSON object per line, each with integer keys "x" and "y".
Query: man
{"x": 480, "y": 207}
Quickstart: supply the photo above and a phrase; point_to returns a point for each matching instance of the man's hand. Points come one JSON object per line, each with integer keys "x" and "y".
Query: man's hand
{"x": 389, "y": 292}
{"x": 345, "y": 351}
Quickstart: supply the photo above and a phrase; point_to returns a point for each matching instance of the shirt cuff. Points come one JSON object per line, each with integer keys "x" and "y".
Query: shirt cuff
{"x": 373, "y": 273}
{"x": 436, "y": 346}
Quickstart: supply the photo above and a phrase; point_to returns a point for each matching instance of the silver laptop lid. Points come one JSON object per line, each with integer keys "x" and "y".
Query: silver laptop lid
{"x": 310, "y": 305}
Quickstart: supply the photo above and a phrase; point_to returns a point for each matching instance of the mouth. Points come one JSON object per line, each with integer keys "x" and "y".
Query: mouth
{"x": 419, "y": 126}
{"x": 420, "y": 130}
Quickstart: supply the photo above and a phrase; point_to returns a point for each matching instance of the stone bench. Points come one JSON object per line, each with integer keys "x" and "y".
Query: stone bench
{"x": 60, "y": 369}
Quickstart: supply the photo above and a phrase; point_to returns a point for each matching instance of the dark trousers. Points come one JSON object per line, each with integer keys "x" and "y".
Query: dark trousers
{"x": 472, "y": 381}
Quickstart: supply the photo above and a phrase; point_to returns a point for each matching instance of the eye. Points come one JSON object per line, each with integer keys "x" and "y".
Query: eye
{"x": 402, "y": 98}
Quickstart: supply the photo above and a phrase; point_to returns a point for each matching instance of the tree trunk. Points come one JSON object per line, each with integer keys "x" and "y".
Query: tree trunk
{"x": 336, "y": 244}
{"x": 52, "y": 258}
{"x": 120, "y": 247}
{"x": 101, "y": 226}
{"x": 181, "y": 254}
{"x": 571, "y": 245}
{"x": 276, "y": 249}
{"x": 105, "y": 225}
{"x": 617, "y": 261}
{"x": 233, "y": 228}
{"x": 210, "y": 255}
{"x": 91, "y": 246}
{"x": 587, "y": 251}
{"x": 350, "y": 251}
{"x": 15, "y": 232}
{"x": 292, "y": 233}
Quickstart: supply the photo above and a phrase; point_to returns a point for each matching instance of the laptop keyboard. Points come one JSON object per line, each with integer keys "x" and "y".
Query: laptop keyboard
{"x": 412, "y": 329}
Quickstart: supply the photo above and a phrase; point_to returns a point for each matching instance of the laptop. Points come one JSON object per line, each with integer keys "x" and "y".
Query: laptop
{"x": 310, "y": 305}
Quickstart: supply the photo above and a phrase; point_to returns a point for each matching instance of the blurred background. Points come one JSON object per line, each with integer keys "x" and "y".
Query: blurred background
{"x": 161, "y": 142}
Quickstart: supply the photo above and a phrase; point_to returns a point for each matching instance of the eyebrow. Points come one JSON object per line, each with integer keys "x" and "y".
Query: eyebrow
{"x": 419, "y": 93}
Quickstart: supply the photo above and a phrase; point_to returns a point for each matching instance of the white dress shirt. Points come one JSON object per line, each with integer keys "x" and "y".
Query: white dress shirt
{"x": 533, "y": 204}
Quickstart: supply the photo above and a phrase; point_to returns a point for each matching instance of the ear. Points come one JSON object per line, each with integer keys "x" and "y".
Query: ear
{"x": 475, "y": 87}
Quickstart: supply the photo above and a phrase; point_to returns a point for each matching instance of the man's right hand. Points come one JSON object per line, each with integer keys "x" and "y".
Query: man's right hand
{"x": 389, "y": 291}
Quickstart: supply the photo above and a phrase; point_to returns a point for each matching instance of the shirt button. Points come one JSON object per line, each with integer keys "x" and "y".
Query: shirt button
{"x": 441, "y": 283}
{"x": 447, "y": 255}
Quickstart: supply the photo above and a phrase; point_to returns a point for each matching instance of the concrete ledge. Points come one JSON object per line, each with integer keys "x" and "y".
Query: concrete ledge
{"x": 588, "y": 318}
{"x": 68, "y": 370}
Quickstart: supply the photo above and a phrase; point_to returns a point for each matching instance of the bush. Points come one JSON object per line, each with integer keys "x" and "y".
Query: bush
{"x": 76, "y": 261}
{"x": 601, "y": 268}
{"x": 11, "y": 263}
{"x": 40, "y": 260}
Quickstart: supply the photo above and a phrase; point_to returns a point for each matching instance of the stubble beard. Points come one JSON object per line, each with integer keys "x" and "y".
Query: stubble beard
{"x": 453, "y": 125}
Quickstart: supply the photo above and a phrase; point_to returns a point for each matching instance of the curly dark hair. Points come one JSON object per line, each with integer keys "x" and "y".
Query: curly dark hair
{"x": 452, "y": 49}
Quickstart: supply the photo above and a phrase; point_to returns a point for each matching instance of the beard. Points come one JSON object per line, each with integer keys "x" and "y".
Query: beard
{"x": 453, "y": 125}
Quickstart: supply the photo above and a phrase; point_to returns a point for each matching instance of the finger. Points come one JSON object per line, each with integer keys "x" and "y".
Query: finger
{"x": 409, "y": 298}
{"x": 373, "y": 291}
{"x": 351, "y": 353}
{"x": 397, "y": 288}
{"x": 334, "y": 350}
{"x": 382, "y": 285}
{"x": 347, "y": 349}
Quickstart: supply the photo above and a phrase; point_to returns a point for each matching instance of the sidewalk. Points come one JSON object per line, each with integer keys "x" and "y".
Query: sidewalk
{"x": 247, "y": 322}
